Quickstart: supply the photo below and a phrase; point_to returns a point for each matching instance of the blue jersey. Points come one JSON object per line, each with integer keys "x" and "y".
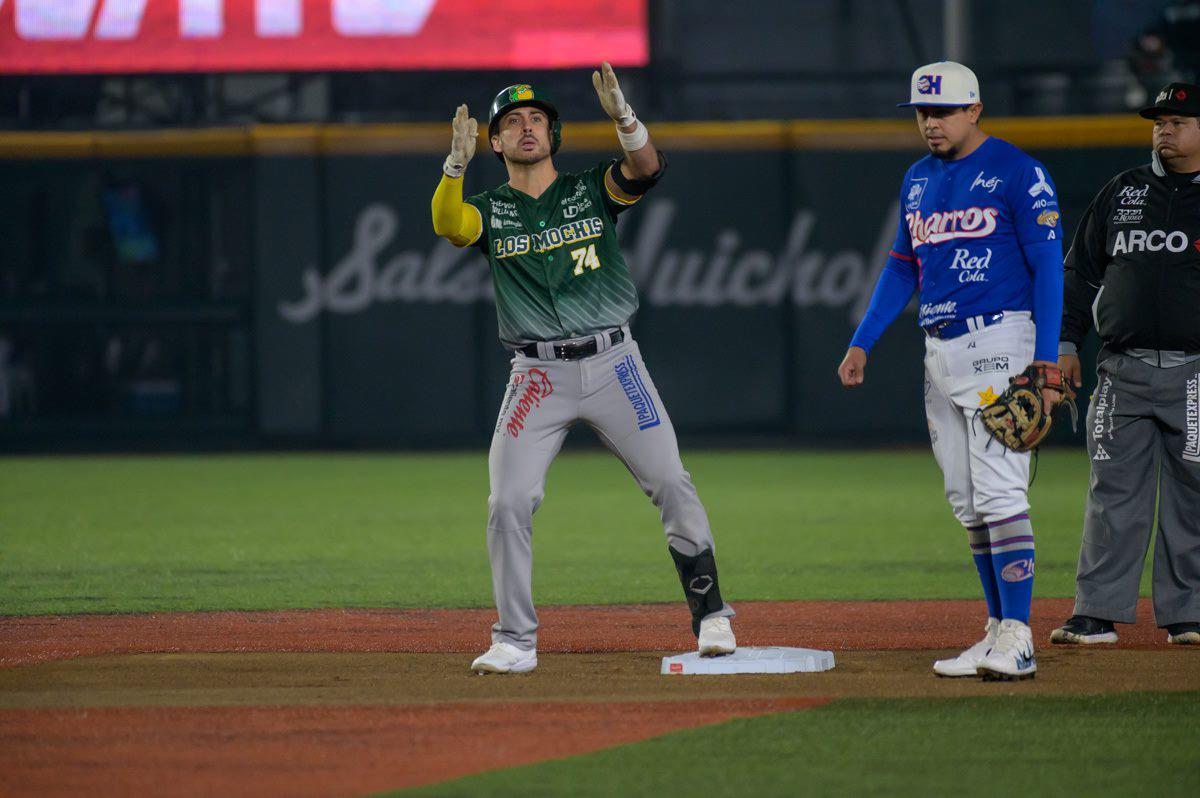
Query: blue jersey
{"x": 976, "y": 235}
{"x": 963, "y": 225}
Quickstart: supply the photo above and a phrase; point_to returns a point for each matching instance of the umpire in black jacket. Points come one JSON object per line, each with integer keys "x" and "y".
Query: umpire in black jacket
{"x": 1134, "y": 270}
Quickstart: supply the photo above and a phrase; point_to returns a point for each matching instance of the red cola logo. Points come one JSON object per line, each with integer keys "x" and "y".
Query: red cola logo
{"x": 537, "y": 388}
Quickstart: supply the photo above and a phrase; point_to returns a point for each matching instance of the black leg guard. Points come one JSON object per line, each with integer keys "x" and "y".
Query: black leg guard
{"x": 698, "y": 575}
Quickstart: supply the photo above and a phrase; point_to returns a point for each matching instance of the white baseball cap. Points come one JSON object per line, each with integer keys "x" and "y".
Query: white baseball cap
{"x": 943, "y": 83}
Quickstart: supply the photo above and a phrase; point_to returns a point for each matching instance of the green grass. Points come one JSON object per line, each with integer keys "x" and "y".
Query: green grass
{"x": 1128, "y": 744}
{"x": 136, "y": 534}
{"x": 133, "y": 534}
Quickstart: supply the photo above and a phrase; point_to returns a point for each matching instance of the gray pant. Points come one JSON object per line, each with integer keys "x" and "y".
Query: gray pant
{"x": 1143, "y": 437}
{"x": 612, "y": 393}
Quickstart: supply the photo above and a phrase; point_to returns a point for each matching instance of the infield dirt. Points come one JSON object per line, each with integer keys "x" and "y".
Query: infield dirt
{"x": 349, "y": 702}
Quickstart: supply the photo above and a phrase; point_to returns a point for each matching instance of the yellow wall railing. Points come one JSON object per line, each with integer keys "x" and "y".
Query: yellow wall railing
{"x": 314, "y": 139}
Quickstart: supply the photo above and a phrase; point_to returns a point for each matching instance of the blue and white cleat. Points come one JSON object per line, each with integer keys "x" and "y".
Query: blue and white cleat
{"x": 967, "y": 663}
{"x": 1012, "y": 656}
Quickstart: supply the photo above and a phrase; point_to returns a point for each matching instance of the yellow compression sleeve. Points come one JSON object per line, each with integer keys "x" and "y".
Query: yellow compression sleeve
{"x": 454, "y": 220}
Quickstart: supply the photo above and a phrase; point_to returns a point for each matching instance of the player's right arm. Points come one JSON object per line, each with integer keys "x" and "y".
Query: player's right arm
{"x": 893, "y": 291}
{"x": 1083, "y": 275}
{"x": 626, "y": 180}
{"x": 458, "y": 222}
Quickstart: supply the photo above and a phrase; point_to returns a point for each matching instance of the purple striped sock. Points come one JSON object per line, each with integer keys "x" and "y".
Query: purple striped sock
{"x": 1012, "y": 564}
{"x": 981, "y": 553}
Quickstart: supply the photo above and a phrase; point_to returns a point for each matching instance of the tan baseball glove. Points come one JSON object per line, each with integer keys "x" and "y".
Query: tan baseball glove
{"x": 1018, "y": 418}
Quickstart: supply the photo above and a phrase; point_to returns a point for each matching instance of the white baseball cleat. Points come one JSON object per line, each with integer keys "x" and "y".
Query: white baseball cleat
{"x": 1012, "y": 656}
{"x": 966, "y": 663}
{"x": 716, "y": 637}
{"x": 505, "y": 658}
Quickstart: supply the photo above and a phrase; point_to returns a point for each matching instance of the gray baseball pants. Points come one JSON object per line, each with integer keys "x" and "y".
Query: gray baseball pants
{"x": 1143, "y": 437}
{"x": 612, "y": 393}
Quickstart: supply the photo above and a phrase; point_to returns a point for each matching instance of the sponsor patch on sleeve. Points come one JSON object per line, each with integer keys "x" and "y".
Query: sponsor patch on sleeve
{"x": 1048, "y": 218}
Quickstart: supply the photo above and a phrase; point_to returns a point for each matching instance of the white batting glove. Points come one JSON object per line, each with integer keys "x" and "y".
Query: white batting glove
{"x": 612, "y": 99}
{"x": 462, "y": 144}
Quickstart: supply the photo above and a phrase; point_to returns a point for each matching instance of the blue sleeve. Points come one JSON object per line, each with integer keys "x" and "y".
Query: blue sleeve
{"x": 892, "y": 292}
{"x": 895, "y": 286}
{"x": 1033, "y": 199}
{"x": 902, "y": 245}
{"x": 1033, "y": 202}
{"x": 1045, "y": 259}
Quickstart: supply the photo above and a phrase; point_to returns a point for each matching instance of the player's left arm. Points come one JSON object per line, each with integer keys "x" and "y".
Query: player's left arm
{"x": 628, "y": 179}
{"x": 458, "y": 222}
{"x": 1038, "y": 224}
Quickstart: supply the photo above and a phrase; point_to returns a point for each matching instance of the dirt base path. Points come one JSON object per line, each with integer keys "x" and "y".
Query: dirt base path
{"x": 238, "y": 680}
{"x": 318, "y": 751}
{"x": 834, "y": 625}
{"x": 344, "y": 703}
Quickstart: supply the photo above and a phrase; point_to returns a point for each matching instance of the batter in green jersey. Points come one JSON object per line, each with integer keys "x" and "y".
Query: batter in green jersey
{"x": 564, "y": 298}
{"x": 556, "y": 266}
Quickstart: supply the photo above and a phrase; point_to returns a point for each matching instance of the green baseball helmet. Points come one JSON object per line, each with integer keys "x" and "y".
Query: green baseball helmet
{"x": 519, "y": 95}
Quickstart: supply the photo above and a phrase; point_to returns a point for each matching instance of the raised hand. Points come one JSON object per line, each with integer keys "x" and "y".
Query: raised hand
{"x": 462, "y": 143}
{"x": 612, "y": 99}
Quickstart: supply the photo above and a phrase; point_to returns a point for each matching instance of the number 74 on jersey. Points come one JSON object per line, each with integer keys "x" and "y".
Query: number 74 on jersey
{"x": 585, "y": 256}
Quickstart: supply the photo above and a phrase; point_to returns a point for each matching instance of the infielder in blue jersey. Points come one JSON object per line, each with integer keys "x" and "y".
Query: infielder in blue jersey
{"x": 979, "y": 237}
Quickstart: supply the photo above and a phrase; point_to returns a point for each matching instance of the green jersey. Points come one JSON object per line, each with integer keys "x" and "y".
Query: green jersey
{"x": 556, "y": 267}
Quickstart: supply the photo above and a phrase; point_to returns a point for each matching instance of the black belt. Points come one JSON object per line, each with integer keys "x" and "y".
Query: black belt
{"x": 574, "y": 350}
{"x": 953, "y": 329}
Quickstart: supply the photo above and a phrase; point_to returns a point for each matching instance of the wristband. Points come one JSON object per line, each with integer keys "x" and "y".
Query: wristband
{"x": 452, "y": 169}
{"x": 635, "y": 140}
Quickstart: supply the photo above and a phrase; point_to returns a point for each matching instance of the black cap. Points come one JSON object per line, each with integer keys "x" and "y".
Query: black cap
{"x": 1175, "y": 98}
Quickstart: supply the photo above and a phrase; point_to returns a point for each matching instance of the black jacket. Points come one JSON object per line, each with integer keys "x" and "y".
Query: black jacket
{"x": 1138, "y": 249}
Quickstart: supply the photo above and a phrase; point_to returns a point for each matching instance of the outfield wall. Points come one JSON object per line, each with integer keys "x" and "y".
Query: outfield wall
{"x": 282, "y": 285}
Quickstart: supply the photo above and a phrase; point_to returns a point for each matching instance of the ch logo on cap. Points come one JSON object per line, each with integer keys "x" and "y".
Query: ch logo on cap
{"x": 1180, "y": 95}
{"x": 929, "y": 84}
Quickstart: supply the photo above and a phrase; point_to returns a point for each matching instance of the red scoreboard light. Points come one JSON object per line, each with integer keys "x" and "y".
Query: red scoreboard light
{"x": 96, "y": 36}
